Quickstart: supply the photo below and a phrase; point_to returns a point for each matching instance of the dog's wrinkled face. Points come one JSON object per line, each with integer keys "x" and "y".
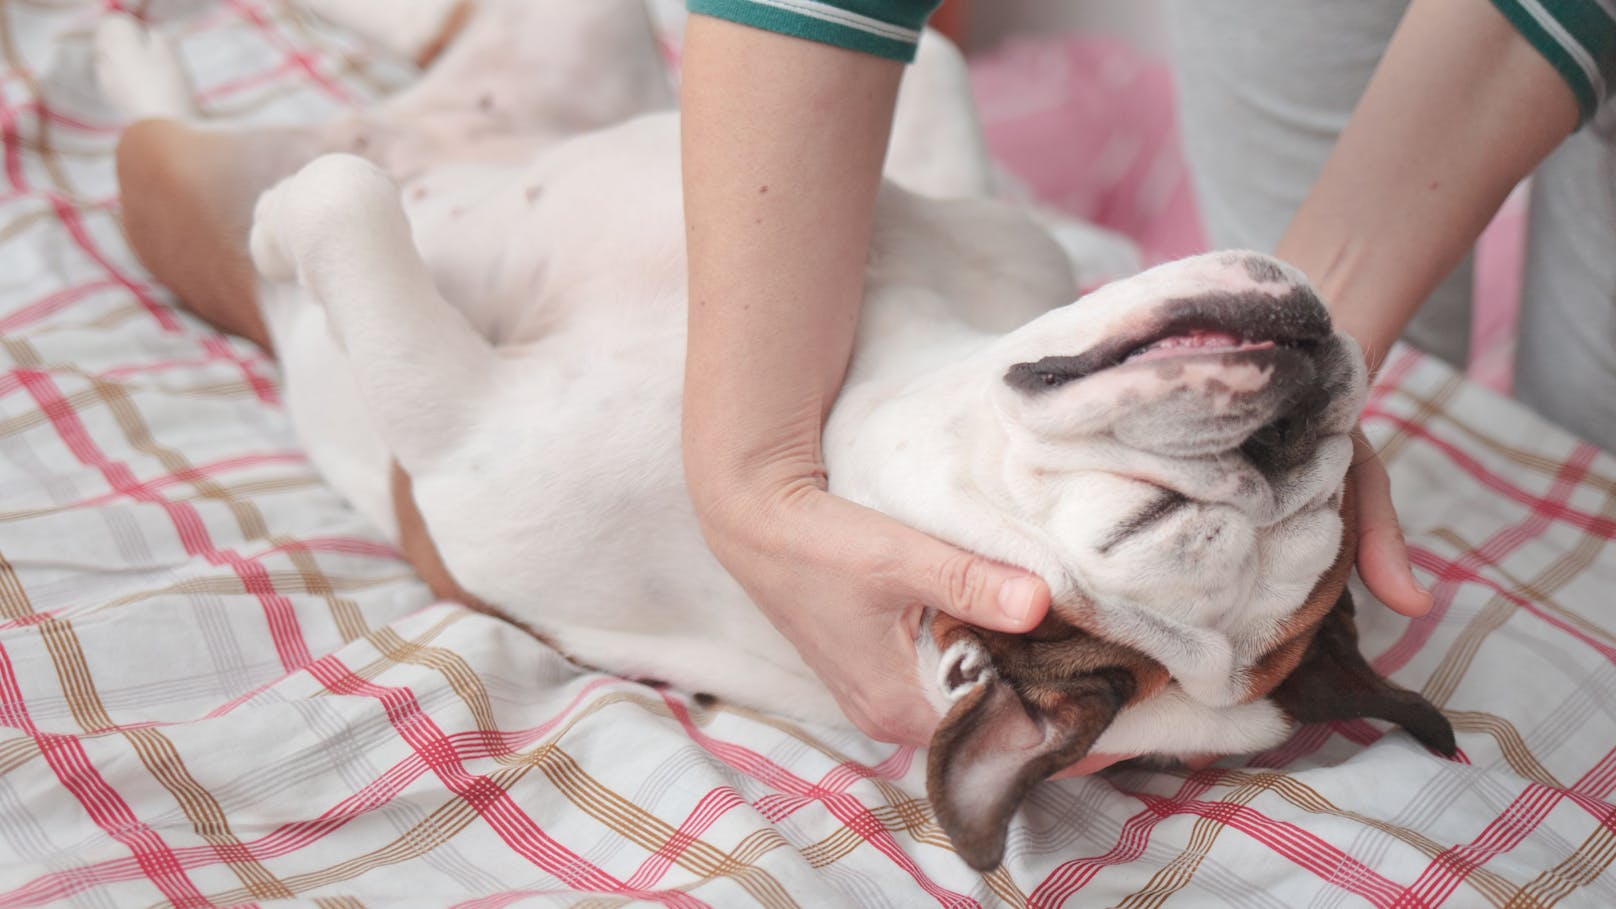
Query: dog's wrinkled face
{"x": 1184, "y": 452}
{"x": 1180, "y": 440}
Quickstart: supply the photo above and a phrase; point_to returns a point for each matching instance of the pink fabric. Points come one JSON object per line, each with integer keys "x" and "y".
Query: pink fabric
{"x": 1088, "y": 125}
{"x": 1500, "y": 263}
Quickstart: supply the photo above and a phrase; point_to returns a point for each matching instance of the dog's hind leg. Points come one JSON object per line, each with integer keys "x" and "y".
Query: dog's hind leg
{"x": 337, "y": 228}
{"x": 187, "y": 196}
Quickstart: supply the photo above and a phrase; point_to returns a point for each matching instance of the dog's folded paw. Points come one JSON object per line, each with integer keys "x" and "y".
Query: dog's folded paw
{"x": 269, "y": 244}
{"x": 324, "y": 212}
{"x": 139, "y": 71}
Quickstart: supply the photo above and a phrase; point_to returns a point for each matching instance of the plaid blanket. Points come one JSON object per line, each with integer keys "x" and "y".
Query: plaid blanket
{"x": 219, "y": 687}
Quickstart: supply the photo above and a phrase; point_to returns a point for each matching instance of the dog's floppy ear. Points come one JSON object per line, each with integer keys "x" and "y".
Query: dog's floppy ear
{"x": 1334, "y": 682}
{"x": 996, "y": 743}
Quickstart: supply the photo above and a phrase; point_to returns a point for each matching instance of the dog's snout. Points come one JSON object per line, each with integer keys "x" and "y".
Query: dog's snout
{"x": 1291, "y": 437}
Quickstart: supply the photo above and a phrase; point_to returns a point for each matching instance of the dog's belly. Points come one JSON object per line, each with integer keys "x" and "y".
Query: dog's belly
{"x": 564, "y": 505}
{"x": 576, "y": 523}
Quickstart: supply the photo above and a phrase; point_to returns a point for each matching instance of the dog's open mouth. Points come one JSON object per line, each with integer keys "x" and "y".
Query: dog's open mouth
{"x": 1195, "y": 343}
{"x": 1208, "y": 326}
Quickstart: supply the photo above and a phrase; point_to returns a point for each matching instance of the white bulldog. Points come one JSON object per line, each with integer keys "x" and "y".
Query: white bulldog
{"x": 493, "y": 298}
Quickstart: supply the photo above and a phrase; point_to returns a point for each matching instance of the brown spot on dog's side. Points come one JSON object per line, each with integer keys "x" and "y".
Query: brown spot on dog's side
{"x": 532, "y": 194}
{"x": 485, "y": 102}
{"x": 418, "y": 193}
{"x": 415, "y": 542}
{"x": 763, "y": 189}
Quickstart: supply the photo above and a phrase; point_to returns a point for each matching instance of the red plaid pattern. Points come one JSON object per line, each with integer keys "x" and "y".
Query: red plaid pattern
{"x": 218, "y": 687}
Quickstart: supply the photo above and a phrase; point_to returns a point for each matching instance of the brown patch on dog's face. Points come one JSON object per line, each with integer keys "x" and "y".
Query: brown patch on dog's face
{"x": 1032, "y": 705}
{"x": 1296, "y": 634}
{"x": 1318, "y": 674}
{"x": 1027, "y": 706}
{"x": 1334, "y": 682}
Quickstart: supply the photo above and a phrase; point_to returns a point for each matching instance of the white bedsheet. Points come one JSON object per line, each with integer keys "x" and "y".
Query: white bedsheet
{"x": 219, "y": 687}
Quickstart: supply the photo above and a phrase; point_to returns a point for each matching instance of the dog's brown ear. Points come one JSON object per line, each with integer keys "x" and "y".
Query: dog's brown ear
{"x": 1334, "y": 682}
{"x": 995, "y": 744}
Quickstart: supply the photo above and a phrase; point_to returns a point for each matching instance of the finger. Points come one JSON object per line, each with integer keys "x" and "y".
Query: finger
{"x": 975, "y": 590}
{"x": 1382, "y": 554}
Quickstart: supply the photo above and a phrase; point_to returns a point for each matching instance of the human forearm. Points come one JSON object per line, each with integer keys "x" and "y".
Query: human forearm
{"x": 783, "y": 142}
{"x": 1459, "y": 110}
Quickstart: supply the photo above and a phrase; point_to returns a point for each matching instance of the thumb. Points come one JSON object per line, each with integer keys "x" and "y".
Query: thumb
{"x": 1382, "y": 555}
{"x": 976, "y": 590}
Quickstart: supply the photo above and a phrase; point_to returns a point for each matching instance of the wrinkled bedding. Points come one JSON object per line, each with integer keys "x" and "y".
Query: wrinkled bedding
{"x": 218, "y": 686}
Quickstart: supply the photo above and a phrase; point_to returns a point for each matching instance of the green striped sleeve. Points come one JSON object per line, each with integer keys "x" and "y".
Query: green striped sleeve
{"x": 885, "y": 28}
{"x": 1577, "y": 37}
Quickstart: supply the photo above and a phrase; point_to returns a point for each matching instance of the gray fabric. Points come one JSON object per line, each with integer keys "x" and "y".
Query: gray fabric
{"x": 1265, "y": 88}
{"x": 1565, "y": 366}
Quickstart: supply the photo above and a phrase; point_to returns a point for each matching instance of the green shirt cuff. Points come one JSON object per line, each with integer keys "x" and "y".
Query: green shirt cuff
{"x": 892, "y": 32}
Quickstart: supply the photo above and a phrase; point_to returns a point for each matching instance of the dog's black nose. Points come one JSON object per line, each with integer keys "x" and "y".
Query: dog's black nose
{"x": 1291, "y": 438}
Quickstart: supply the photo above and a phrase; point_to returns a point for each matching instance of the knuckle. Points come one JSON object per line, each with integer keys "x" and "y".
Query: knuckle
{"x": 962, "y": 579}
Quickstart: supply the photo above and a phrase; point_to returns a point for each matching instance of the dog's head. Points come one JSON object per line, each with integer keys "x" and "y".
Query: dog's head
{"x": 1170, "y": 452}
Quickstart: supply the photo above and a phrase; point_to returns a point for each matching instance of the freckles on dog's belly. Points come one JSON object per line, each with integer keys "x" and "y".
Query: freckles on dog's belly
{"x": 468, "y": 224}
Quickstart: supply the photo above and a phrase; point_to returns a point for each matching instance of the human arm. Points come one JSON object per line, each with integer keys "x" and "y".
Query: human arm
{"x": 782, "y": 146}
{"x": 1460, "y": 109}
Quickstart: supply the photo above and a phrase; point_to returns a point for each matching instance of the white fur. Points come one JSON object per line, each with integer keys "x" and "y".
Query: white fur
{"x": 139, "y": 71}
{"x": 407, "y": 29}
{"x": 973, "y": 663}
{"x": 505, "y": 315}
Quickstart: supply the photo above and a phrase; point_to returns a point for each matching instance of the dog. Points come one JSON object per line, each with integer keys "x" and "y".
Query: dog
{"x": 477, "y": 292}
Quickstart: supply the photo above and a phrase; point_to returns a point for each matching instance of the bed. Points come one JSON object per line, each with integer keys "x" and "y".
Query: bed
{"x": 219, "y": 686}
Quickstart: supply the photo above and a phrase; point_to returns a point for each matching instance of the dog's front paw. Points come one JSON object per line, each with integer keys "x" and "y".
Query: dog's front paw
{"x": 139, "y": 70}
{"x": 321, "y": 212}
{"x": 272, "y": 242}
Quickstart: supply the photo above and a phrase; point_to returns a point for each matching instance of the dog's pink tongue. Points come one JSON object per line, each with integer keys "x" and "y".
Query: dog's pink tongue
{"x": 1195, "y": 342}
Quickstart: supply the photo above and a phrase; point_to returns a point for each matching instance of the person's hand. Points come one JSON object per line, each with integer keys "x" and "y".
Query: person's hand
{"x": 848, "y": 585}
{"x": 1382, "y": 553}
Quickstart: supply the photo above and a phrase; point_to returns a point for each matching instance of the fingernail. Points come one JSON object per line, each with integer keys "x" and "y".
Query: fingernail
{"x": 1414, "y": 582}
{"x": 1016, "y": 597}
{"x": 1421, "y": 592}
